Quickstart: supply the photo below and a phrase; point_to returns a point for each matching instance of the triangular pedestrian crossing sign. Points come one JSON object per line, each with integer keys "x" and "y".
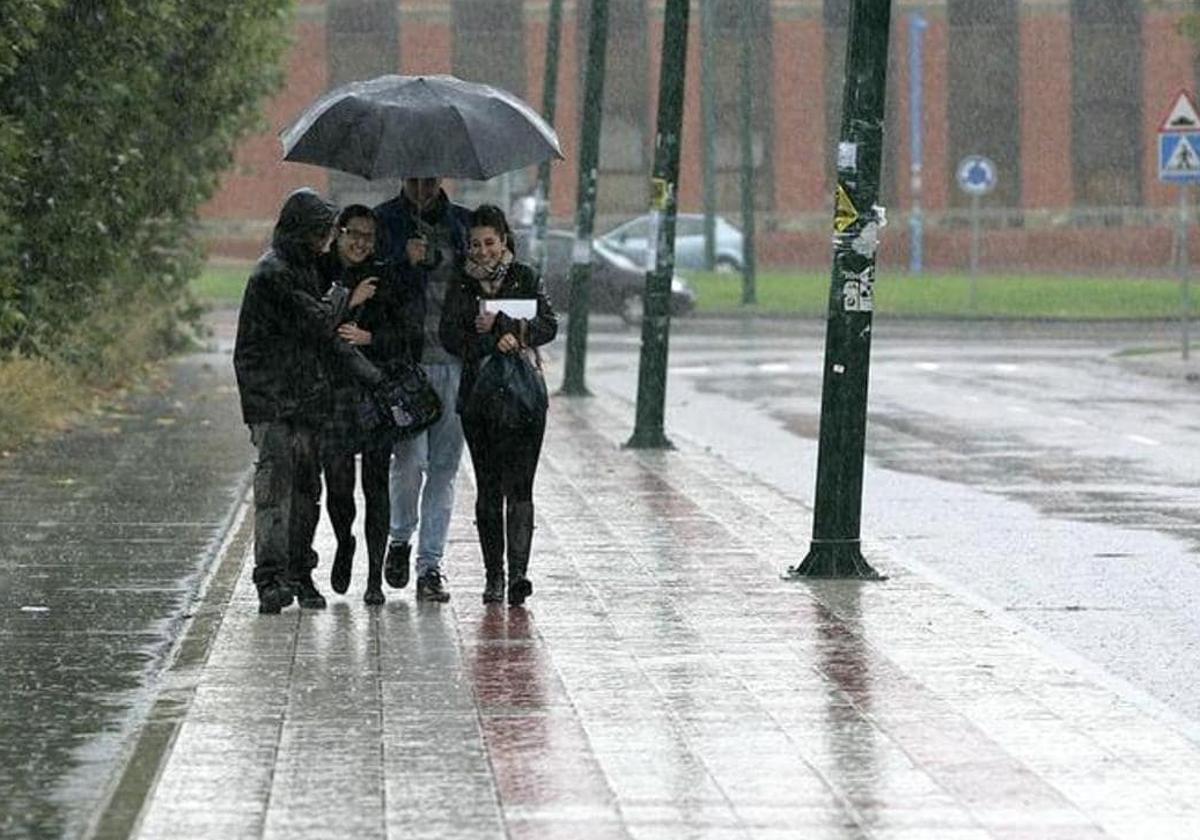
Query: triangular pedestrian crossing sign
{"x": 1183, "y": 116}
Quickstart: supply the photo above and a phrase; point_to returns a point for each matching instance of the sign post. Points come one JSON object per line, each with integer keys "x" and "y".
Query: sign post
{"x": 976, "y": 177}
{"x": 1179, "y": 163}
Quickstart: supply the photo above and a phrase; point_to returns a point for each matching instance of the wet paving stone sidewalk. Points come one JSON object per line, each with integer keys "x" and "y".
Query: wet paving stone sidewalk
{"x": 663, "y": 682}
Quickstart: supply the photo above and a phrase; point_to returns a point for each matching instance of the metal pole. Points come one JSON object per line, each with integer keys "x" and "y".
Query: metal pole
{"x": 1184, "y": 273}
{"x": 972, "y": 292}
{"x": 708, "y": 116}
{"x": 749, "y": 285}
{"x": 585, "y": 208}
{"x": 656, "y": 320}
{"x": 836, "y": 549}
{"x": 708, "y": 120}
{"x": 541, "y": 210}
{"x": 916, "y": 123}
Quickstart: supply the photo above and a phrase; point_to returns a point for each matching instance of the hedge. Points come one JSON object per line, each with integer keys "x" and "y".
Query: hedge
{"x": 116, "y": 120}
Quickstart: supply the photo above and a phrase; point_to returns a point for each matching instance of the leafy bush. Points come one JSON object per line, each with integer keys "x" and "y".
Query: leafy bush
{"x": 116, "y": 119}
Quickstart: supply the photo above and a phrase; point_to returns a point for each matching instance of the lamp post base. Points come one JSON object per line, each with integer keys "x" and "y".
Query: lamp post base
{"x": 653, "y": 439}
{"x": 834, "y": 559}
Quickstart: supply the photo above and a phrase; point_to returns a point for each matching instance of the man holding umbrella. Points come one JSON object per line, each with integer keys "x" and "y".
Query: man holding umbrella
{"x": 425, "y": 235}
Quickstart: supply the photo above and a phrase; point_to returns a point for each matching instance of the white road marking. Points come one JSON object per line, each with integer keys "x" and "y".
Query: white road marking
{"x": 696, "y": 370}
{"x": 774, "y": 367}
{"x": 1006, "y": 368}
{"x": 1144, "y": 440}
{"x": 1070, "y": 421}
{"x": 927, "y": 366}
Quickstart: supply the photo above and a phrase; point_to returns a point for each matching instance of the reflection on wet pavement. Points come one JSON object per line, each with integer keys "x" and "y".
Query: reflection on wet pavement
{"x": 663, "y": 683}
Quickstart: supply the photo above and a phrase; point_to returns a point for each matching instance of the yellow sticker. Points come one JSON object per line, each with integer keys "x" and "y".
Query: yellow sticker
{"x": 660, "y": 192}
{"x": 846, "y": 214}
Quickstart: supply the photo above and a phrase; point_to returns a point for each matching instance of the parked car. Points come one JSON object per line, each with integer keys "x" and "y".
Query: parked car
{"x": 631, "y": 238}
{"x": 617, "y": 282}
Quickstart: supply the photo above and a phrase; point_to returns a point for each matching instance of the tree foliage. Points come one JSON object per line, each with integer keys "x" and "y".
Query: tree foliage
{"x": 116, "y": 119}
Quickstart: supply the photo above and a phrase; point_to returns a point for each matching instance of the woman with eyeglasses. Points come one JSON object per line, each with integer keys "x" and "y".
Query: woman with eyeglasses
{"x": 377, "y": 328}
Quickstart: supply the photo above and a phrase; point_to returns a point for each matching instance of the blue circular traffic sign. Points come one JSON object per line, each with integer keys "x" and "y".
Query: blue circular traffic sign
{"x": 976, "y": 175}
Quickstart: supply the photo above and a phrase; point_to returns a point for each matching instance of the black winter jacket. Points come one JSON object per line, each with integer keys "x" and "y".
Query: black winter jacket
{"x": 386, "y": 315}
{"x": 285, "y": 327}
{"x": 457, "y": 328}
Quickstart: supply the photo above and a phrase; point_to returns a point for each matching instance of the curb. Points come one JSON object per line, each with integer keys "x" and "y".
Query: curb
{"x": 121, "y": 810}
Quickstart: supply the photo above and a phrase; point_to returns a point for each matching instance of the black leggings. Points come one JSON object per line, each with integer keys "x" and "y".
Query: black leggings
{"x": 339, "y": 499}
{"x": 504, "y": 463}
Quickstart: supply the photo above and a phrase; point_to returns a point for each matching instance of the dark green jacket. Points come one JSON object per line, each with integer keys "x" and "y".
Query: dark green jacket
{"x": 284, "y": 326}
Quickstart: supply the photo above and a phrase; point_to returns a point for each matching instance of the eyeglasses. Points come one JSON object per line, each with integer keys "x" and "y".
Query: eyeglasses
{"x": 359, "y": 235}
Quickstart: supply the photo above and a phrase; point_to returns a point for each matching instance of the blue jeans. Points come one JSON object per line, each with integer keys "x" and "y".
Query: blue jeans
{"x": 423, "y": 472}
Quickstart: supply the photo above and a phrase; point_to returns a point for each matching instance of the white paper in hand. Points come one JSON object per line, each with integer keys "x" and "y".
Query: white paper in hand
{"x": 512, "y": 307}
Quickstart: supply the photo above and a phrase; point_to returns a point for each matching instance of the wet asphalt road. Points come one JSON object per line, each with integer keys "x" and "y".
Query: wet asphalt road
{"x": 1027, "y": 463}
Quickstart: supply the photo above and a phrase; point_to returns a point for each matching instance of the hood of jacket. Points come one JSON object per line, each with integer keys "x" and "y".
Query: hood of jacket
{"x": 303, "y": 216}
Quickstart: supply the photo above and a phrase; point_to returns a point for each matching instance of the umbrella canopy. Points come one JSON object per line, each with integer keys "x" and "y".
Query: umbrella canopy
{"x": 420, "y": 127}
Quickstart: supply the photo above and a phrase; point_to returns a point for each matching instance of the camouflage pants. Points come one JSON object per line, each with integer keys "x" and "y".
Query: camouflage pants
{"x": 287, "y": 495}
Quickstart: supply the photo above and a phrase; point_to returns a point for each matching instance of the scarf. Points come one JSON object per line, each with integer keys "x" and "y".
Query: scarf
{"x": 490, "y": 279}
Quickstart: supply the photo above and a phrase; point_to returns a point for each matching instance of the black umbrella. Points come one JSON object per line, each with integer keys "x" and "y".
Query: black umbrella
{"x": 420, "y": 127}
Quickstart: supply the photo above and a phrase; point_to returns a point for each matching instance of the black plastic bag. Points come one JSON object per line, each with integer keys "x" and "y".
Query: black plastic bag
{"x": 509, "y": 393}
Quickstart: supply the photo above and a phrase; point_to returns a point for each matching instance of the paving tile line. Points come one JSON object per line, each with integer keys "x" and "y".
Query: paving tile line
{"x": 130, "y": 787}
{"x": 826, "y": 807}
{"x": 602, "y": 421}
{"x": 1150, "y": 719}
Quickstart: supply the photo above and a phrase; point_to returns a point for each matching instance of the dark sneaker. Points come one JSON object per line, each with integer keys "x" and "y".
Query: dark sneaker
{"x": 273, "y": 597}
{"x": 395, "y": 567}
{"x": 343, "y": 561}
{"x": 307, "y": 594}
{"x": 429, "y": 587}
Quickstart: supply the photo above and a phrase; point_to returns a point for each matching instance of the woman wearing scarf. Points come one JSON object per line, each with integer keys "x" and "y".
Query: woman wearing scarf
{"x": 505, "y": 441}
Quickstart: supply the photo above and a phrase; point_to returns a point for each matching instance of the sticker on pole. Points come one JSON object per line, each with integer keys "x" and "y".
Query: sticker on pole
{"x": 581, "y": 251}
{"x": 660, "y": 193}
{"x": 1179, "y": 143}
{"x": 845, "y": 213}
{"x": 976, "y": 175}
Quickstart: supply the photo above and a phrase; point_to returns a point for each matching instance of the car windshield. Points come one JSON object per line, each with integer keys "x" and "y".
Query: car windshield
{"x": 638, "y": 228}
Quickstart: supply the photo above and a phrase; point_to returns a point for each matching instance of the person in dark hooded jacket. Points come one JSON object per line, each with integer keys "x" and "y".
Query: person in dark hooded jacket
{"x": 285, "y": 328}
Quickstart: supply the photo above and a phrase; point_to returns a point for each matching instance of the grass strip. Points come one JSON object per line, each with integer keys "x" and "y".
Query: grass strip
{"x": 949, "y": 295}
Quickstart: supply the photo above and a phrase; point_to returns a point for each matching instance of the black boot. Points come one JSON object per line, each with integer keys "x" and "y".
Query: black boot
{"x": 374, "y": 594}
{"x": 308, "y": 595}
{"x": 520, "y": 538}
{"x": 490, "y": 525}
{"x": 397, "y": 564}
{"x": 343, "y": 561}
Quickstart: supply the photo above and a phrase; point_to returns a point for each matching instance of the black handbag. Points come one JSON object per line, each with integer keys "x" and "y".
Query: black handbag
{"x": 406, "y": 397}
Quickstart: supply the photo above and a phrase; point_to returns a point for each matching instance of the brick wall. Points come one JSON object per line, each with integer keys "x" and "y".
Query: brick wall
{"x": 239, "y": 217}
